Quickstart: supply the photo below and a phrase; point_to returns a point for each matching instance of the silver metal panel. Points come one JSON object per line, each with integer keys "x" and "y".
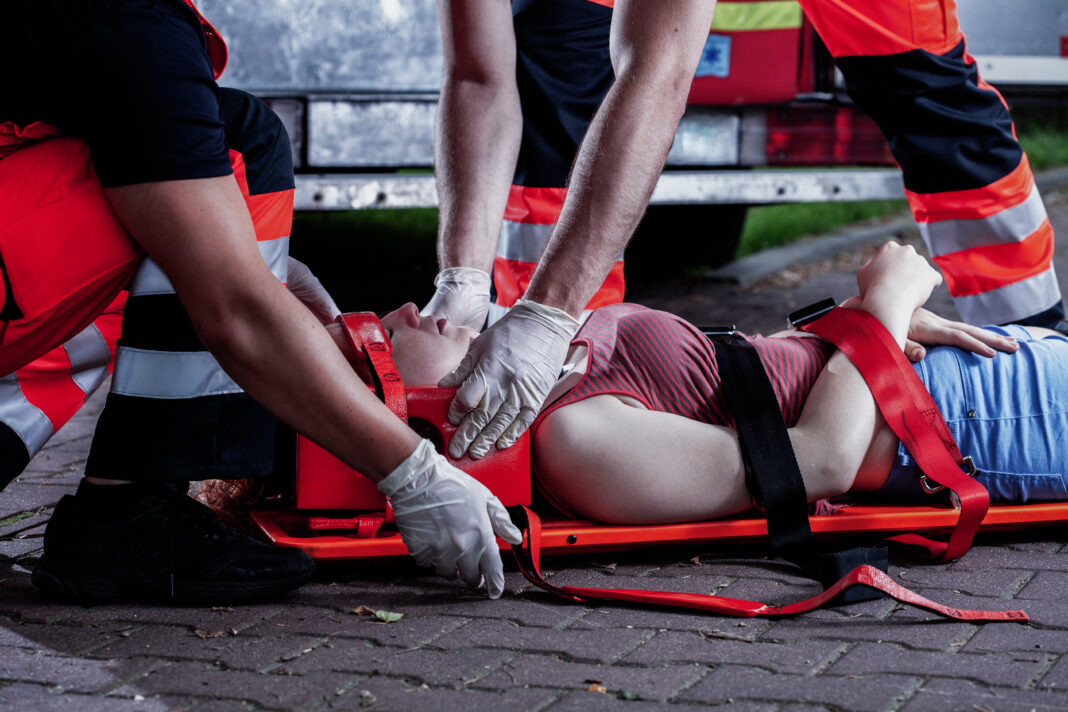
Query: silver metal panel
{"x": 329, "y": 45}
{"x": 1022, "y": 27}
{"x": 1039, "y": 71}
{"x": 706, "y": 138}
{"x": 358, "y": 192}
{"x": 371, "y": 133}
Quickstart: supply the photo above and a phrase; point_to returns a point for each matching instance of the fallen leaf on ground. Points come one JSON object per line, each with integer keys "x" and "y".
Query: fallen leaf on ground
{"x": 211, "y": 633}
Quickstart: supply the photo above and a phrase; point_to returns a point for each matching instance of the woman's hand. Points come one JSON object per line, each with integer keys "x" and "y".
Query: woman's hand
{"x": 930, "y": 329}
{"x": 898, "y": 274}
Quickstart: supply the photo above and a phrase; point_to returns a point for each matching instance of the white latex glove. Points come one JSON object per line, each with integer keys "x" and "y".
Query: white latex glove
{"x": 306, "y": 287}
{"x": 506, "y": 375}
{"x": 448, "y": 519}
{"x": 462, "y": 296}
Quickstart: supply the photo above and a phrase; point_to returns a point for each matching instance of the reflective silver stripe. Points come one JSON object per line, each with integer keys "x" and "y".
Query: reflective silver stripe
{"x": 169, "y": 375}
{"x": 276, "y": 255}
{"x": 1012, "y": 302}
{"x": 89, "y": 357}
{"x": 522, "y": 242}
{"x": 1011, "y": 225}
{"x": 150, "y": 279}
{"x": 27, "y": 420}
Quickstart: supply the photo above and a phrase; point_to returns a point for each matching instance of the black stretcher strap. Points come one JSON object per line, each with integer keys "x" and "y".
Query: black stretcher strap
{"x": 771, "y": 470}
{"x": 772, "y": 474}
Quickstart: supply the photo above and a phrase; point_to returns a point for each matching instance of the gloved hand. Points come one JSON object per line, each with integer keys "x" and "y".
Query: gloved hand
{"x": 506, "y": 375}
{"x": 306, "y": 287}
{"x": 462, "y": 297}
{"x": 448, "y": 519}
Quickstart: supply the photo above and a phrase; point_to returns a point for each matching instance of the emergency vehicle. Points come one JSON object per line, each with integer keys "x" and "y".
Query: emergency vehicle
{"x": 769, "y": 121}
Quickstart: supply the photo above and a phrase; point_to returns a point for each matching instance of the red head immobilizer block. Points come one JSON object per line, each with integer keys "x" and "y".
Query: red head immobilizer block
{"x": 325, "y": 483}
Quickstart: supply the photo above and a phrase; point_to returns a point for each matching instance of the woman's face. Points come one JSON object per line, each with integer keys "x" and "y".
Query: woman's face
{"x": 425, "y": 349}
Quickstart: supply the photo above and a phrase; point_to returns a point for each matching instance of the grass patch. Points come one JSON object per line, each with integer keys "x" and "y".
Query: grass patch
{"x": 775, "y": 225}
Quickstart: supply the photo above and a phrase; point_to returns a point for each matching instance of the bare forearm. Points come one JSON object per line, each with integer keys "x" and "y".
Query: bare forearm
{"x": 479, "y": 124}
{"x": 279, "y": 353}
{"x": 613, "y": 177}
{"x": 200, "y": 234}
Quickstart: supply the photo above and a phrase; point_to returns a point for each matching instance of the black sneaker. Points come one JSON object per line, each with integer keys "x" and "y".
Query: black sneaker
{"x": 157, "y": 544}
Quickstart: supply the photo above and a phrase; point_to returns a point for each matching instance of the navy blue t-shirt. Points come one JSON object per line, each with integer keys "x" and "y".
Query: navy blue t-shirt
{"x": 132, "y": 77}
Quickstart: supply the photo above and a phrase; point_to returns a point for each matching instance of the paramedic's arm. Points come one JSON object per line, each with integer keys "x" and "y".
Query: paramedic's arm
{"x": 200, "y": 234}
{"x": 655, "y": 48}
{"x": 479, "y": 124}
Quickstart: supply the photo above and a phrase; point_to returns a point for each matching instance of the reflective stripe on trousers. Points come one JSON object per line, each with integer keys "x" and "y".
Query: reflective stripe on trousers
{"x": 38, "y": 399}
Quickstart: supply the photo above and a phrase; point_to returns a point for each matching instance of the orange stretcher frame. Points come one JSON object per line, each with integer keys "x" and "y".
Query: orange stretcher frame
{"x": 571, "y": 536}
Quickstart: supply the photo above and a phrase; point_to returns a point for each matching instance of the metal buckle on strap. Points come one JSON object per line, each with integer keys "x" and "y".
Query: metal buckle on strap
{"x": 930, "y": 486}
{"x": 810, "y": 313}
{"x": 713, "y": 331}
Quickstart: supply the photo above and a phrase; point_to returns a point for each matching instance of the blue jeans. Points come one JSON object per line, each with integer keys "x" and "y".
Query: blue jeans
{"x": 1009, "y": 413}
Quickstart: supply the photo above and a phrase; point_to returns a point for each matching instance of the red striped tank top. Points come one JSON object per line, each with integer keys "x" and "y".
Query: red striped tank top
{"x": 670, "y": 366}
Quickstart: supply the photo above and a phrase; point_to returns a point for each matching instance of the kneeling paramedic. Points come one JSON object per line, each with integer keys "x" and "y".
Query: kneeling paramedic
{"x": 112, "y": 126}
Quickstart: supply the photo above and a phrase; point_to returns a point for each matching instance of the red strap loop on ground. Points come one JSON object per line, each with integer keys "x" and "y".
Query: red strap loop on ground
{"x": 528, "y": 555}
{"x": 910, "y": 412}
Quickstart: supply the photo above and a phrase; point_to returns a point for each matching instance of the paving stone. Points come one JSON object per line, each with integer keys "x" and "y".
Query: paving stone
{"x": 238, "y": 652}
{"x": 275, "y": 691}
{"x": 62, "y": 639}
{"x": 71, "y": 673}
{"x": 29, "y": 497}
{"x": 654, "y": 683}
{"x": 1044, "y": 585}
{"x": 535, "y": 608}
{"x": 797, "y": 658}
{"x": 31, "y": 698}
{"x": 199, "y": 618}
{"x": 409, "y": 631}
{"x": 434, "y": 667}
{"x": 589, "y": 645}
{"x": 1014, "y": 669}
{"x": 999, "y": 637}
{"x": 1057, "y": 677}
{"x": 730, "y": 682}
{"x": 944, "y": 695}
{"x": 661, "y": 619}
{"x": 585, "y": 701}
{"x": 993, "y": 583}
{"x": 384, "y": 694}
{"x": 987, "y": 558}
{"x": 938, "y": 635}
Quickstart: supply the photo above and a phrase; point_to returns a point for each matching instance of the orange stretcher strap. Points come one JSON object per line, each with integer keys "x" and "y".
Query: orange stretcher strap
{"x": 910, "y": 412}
{"x": 528, "y": 555}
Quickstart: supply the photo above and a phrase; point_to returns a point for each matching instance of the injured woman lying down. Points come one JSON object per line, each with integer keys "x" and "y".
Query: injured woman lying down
{"x": 638, "y": 416}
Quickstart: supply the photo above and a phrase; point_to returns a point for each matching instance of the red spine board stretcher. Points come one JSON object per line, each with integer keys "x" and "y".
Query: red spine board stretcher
{"x": 340, "y": 515}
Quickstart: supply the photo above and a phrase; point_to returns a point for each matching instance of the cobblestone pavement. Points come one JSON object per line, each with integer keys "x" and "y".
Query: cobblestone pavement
{"x": 453, "y": 650}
